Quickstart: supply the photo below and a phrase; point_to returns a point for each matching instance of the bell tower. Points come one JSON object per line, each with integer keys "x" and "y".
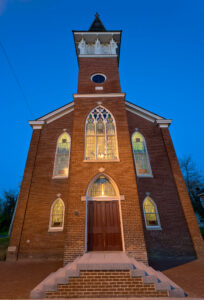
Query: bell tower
{"x": 97, "y": 156}
{"x": 98, "y": 52}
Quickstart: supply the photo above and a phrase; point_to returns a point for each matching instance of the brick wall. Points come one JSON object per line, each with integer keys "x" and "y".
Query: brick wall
{"x": 185, "y": 201}
{"x": 122, "y": 172}
{"x": 174, "y": 240}
{"x": 24, "y": 194}
{"x": 32, "y": 218}
{"x": 107, "y": 66}
{"x": 97, "y": 284}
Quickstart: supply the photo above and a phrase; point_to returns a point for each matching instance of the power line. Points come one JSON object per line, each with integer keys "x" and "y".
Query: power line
{"x": 16, "y": 78}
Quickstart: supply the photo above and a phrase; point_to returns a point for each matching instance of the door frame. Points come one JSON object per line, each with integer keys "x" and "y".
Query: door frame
{"x": 117, "y": 197}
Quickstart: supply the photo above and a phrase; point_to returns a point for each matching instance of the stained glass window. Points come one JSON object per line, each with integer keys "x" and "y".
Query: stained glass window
{"x": 140, "y": 155}
{"x": 101, "y": 140}
{"x": 150, "y": 213}
{"x": 57, "y": 214}
{"x": 61, "y": 166}
{"x": 102, "y": 187}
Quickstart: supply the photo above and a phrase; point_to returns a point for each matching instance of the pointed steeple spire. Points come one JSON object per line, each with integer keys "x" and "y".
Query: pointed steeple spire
{"x": 97, "y": 25}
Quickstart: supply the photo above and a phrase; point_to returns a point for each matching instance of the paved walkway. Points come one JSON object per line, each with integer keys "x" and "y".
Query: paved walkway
{"x": 19, "y": 278}
{"x": 190, "y": 277}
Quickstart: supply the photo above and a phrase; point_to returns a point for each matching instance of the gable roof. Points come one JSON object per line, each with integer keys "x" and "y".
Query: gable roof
{"x": 133, "y": 108}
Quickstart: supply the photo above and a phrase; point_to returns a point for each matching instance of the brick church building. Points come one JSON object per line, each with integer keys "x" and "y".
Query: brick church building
{"x": 102, "y": 174}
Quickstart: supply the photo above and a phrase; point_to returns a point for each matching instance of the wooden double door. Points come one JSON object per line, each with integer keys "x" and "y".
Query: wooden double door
{"x": 104, "y": 230}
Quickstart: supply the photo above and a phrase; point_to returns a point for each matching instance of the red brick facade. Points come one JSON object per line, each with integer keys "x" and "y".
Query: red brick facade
{"x": 179, "y": 236}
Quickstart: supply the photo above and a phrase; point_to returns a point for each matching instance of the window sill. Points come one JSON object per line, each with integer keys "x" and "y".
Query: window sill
{"x": 55, "y": 229}
{"x": 101, "y": 160}
{"x": 153, "y": 228}
{"x": 145, "y": 176}
{"x": 59, "y": 177}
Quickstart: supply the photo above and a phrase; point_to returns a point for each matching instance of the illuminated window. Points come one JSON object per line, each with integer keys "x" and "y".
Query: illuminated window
{"x": 101, "y": 138}
{"x": 140, "y": 153}
{"x": 61, "y": 166}
{"x": 102, "y": 188}
{"x": 151, "y": 214}
{"x": 57, "y": 215}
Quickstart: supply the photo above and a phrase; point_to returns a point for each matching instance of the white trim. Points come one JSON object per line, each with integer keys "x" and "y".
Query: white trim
{"x": 141, "y": 115}
{"x": 163, "y": 123}
{"x": 163, "y": 126}
{"x": 47, "y": 116}
{"x": 98, "y": 74}
{"x": 105, "y": 135}
{"x": 59, "y": 177}
{"x": 59, "y": 115}
{"x": 145, "y": 114}
{"x": 101, "y": 160}
{"x": 96, "y": 33}
{"x": 148, "y": 175}
{"x": 144, "y": 111}
{"x": 156, "y": 227}
{"x": 36, "y": 124}
{"x": 55, "y": 229}
{"x": 122, "y": 198}
{"x": 98, "y": 55}
{"x": 111, "y": 198}
{"x": 110, "y": 95}
{"x": 55, "y": 158}
{"x": 37, "y": 127}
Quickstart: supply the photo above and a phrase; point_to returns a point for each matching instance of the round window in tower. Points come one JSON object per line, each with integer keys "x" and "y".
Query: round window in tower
{"x": 98, "y": 78}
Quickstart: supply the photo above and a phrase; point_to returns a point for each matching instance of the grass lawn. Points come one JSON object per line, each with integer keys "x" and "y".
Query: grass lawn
{"x": 4, "y": 241}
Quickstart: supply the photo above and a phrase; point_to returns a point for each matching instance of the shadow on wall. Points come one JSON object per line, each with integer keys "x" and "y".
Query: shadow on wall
{"x": 163, "y": 263}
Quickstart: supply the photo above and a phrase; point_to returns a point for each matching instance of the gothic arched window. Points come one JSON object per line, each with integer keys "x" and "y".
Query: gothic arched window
{"x": 140, "y": 153}
{"x": 61, "y": 165}
{"x": 57, "y": 215}
{"x": 102, "y": 187}
{"x": 101, "y": 137}
{"x": 151, "y": 214}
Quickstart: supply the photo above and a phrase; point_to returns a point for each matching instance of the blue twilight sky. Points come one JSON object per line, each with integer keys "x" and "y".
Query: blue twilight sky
{"x": 161, "y": 66}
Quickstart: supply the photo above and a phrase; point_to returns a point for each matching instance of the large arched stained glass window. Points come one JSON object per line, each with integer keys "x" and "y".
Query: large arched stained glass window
{"x": 57, "y": 215}
{"x": 101, "y": 138}
{"x": 61, "y": 166}
{"x": 151, "y": 214}
{"x": 140, "y": 153}
{"x": 101, "y": 187}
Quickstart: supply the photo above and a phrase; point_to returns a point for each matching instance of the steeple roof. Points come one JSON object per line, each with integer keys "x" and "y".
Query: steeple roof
{"x": 97, "y": 25}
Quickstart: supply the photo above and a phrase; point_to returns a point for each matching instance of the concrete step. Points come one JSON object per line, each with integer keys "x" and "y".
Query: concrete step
{"x": 103, "y": 261}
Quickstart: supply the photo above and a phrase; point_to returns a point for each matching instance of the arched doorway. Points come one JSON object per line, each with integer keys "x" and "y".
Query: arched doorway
{"x": 103, "y": 216}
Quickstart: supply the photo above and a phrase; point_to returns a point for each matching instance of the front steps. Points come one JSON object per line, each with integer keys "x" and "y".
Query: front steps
{"x": 105, "y": 275}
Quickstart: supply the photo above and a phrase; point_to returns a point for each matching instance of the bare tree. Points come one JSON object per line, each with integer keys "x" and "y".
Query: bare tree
{"x": 7, "y": 206}
{"x": 194, "y": 181}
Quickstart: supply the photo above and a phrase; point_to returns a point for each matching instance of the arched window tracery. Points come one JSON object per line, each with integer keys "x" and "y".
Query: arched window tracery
{"x": 151, "y": 214}
{"x": 140, "y": 153}
{"x": 62, "y": 156}
{"x": 101, "y": 138}
{"x": 102, "y": 187}
{"x": 57, "y": 215}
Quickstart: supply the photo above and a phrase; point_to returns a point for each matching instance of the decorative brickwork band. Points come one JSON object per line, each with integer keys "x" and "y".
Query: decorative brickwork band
{"x": 183, "y": 195}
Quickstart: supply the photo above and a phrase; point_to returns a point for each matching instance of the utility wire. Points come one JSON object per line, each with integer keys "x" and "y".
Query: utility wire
{"x": 16, "y": 78}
